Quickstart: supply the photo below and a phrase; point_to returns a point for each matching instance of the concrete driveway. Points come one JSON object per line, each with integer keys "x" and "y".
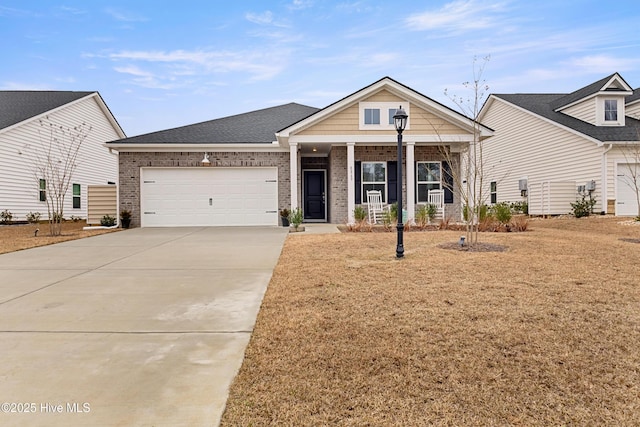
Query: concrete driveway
{"x": 140, "y": 327}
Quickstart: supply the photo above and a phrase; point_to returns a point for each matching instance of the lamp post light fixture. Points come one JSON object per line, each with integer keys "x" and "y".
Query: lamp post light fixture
{"x": 400, "y": 121}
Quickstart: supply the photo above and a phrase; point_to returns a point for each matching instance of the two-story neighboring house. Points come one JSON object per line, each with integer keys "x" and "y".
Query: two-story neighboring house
{"x": 550, "y": 149}
{"x": 23, "y": 139}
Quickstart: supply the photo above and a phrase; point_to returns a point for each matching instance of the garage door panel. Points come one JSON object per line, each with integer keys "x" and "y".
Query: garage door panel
{"x": 209, "y": 196}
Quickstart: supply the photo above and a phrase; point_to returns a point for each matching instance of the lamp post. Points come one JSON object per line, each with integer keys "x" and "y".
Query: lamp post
{"x": 400, "y": 121}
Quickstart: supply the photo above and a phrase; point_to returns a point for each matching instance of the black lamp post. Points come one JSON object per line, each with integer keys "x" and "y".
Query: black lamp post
{"x": 400, "y": 121}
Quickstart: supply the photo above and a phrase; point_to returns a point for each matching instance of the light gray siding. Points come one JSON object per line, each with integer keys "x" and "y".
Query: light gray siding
{"x": 525, "y": 145}
{"x": 18, "y": 145}
{"x": 585, "y": 111}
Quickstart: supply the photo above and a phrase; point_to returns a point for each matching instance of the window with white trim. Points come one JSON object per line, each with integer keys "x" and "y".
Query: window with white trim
{"x": 610, "y": 110}
{"x": 42, "y": 193}
{"x": 379, "y": 115}
{"x": 371, "y": 116}
{"x": 428, "y": 177}
{"x": 374, "y": 177}
{"x": 493, "y": 189}
{"x": 77, "y": 196}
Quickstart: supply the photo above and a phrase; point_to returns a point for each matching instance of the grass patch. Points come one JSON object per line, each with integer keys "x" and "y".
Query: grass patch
{"x": 544, "y": 333}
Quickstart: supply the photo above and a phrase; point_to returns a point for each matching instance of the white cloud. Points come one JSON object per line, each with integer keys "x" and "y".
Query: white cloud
{"x": 261, "y": 65}
{"x": 24, "y": 86}
{"x": 300, "y": 4}
{"x": 604, "y": 64}
{"x": 459, "y": 15}
{"x": 124, "y": 16}
{"x": 133, "y": 70}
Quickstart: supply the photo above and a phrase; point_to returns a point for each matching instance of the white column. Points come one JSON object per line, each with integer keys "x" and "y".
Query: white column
{"x": 411, "y": 182}
{"x": 293, "y": 166}
{"x": 351, "y": 182}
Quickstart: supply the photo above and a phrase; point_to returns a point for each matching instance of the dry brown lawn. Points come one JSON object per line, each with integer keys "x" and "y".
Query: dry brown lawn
{"x": 544, "y": 333}
{"x": 21, "y": 236}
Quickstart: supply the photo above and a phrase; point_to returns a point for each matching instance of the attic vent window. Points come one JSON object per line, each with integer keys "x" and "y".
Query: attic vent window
{"x": 610, "y": 110}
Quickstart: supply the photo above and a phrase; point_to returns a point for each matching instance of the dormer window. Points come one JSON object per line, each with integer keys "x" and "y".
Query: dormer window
{"x": 610, "y": 110}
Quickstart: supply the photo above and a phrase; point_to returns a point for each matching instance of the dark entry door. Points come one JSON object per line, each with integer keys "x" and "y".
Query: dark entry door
{"x": 314, "y": 195}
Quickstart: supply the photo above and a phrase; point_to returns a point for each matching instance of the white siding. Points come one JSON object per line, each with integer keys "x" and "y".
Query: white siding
{"x": 616, "y": 156}
{"x": 585, "y": 111}
{"x": 527, "y": 146}
{"x": 96, "y": 166}
{"x": 552, "y": 197}
{"x": 633, "y": 110}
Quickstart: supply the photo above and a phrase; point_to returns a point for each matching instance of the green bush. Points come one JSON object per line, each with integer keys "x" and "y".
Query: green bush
{"x": 431, "y": 211}
{"x": 502, "y": 212}
{"x": 108, "y": 221}
{"x": 422, "y": 215}
{"x": 520, "y": 208}
{"x": 583, "y": 207}
{"x": 33, "y": 217}
{"x": 6, "y": 217}
{"x": 297, "y": 217}
{"x": 359, "y": 213}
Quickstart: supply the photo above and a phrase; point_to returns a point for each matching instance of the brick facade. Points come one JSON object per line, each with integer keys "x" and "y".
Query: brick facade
{"x": 130, "y": 164}
{"x": 338, "y": 174}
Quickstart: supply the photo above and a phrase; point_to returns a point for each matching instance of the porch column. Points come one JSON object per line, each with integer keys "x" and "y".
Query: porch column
{"x": 351, "y": 182}
{"x": 293, "y": 167}
{"x": 411, "y": 182}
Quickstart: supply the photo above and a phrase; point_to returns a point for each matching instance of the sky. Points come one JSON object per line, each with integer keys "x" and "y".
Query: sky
{"x": 162, "y": 64}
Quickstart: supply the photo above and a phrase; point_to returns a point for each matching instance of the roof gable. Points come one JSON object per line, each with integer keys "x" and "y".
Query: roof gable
{"x": 610, "y": 84}
{"x": 20, "y": 105}
{"x": 389, "y": 85}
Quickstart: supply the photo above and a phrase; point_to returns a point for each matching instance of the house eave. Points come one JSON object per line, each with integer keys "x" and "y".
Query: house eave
{"x": 177, "y": 147}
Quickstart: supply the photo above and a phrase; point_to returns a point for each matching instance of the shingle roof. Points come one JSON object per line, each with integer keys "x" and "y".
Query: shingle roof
{"x": 543, "y": 105}
{"x": 19, "y": 105}
{"x": 634, "y": 97}
{"x": 257, "y": 126}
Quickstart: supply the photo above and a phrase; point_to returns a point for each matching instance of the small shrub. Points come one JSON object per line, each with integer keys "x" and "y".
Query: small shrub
{"x": 75, "y": 218}
{"x": 483, "y": 214}
{"x": 297, "y": 217}
{"x": 125, "y": 214}
{"x": 33, "y": 217}
{"x": 519, "y": 223}
{"x": 520, "y": 208}
{"x": 359, "y": 213}
{"x": 422, "y": 216}
{"x": 431, "y": 211}
{"x": 584, "y": 207}
{"x": 284, "y": 213}
{"x": 393, "y": 211}
{"x": 502, "y": 212}
{"x": 108, "y": 221}
{"x": 6, "y": 217}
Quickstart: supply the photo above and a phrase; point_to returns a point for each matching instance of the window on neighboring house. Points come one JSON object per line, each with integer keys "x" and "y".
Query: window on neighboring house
{"x": 76, "y": 196}
{"x": 374, "y": 177}
{"x": 494, "y": 192}
{"x": 610, "y": 110}
{"x": 43, "y": 190}
{"x": 428, "y": 178}
{"x": 371, "y": 116}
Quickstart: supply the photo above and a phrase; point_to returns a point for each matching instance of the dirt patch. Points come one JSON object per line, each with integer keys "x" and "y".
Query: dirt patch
{"x": 544, "y": 333}
{"x": 477, "y": 247}
{"x": 22, "y": 236}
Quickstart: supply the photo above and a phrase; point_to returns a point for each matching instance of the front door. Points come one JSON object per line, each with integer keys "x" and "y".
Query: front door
{"x": 314, "y": 195}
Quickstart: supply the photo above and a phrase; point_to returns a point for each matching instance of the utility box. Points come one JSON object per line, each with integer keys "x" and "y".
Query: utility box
{"x": 522, "y": 185}
{"x": 552, "y": 197}
{"x": 590, "y": 185}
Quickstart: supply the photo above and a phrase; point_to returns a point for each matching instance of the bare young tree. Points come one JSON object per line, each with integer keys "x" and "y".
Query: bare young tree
{"x": 55, "y": 162}
{"x": 468, "y": 170}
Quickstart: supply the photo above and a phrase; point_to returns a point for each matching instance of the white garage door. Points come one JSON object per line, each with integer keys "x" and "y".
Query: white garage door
{"x": 626, "y": 201}
{"x": 173, "y": 197}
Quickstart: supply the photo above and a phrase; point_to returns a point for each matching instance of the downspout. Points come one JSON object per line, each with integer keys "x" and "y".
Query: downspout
{"x": 605, "y": 184}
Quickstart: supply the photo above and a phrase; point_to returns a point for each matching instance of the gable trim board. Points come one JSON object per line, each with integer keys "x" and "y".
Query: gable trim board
{"x": 279, "y": 137}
